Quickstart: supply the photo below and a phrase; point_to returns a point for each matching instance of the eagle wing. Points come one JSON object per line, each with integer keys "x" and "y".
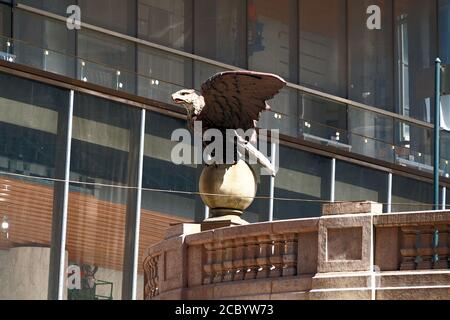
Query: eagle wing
{"x": 235, "y": 99}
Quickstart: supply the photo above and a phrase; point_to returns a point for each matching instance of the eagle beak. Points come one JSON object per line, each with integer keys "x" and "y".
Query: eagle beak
{"x": 176, "y": 99}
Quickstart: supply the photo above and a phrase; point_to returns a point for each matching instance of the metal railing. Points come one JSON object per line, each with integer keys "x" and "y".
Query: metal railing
{"x": 348, "y": 125}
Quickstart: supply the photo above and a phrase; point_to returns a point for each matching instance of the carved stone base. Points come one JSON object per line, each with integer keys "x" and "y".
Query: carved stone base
{"x": 222, "y": 222}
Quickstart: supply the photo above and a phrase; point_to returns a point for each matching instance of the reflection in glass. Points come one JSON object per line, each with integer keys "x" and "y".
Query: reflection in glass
{"x": 102, "y": 157}
{"x": 47, "y": 44}
{"x": 272, "y": 37}
{"x": 444, "y": 30}
{"x": 354, "y": 183}
{"x": 166, "y": 22}
{"x": 415, "y": 27}
{"x": 323, "y": 119}
{"x": 115, "y": 15}
{"x": 371, "y": 134}
{"x": 112, "y": 60}
{"x": 304, "y": 176}
{"x": 283, "y": 115}
{"x": 411, "y": 195}
{"x": 54, "y": 6}
{"x": 370, "y": 62}
{"x": 220, "y": 30}
{"x": 323, "y": 55}
{"x": 162, "y": 74}
{"x": 5, "y": 20}
{"x": 30, "y": 114}
{"x": 160, "y": 210}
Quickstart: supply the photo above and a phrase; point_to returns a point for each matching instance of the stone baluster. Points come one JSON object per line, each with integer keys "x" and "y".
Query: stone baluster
{"x": 276, "y": 258}
{"x": 263, "y": 258}
{"x": 425, "y": 250}
{"x": 208, "y": 265}
{"x": 442, "y": 249}
{"x": 228, "y": 271}
{"x": 408, "y": 249}
{"x": 290, "y": 255}
{"x": 448, "y": 246}
{"x": 218, "y": 270}
{"x": 251, "y": 252}
{"x": 238, "y": 259}
{"x": 151, "y": 276}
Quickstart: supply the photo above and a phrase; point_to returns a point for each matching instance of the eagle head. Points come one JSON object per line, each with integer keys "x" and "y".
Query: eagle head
{"x": 186, "y": 97}
{"x": 193, "y": 102}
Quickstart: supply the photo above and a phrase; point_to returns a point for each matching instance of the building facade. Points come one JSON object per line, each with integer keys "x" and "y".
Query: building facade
{"x": 86, "y": 119}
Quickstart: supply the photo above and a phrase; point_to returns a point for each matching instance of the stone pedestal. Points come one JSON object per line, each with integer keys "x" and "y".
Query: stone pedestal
{"x": 227, "y": 190}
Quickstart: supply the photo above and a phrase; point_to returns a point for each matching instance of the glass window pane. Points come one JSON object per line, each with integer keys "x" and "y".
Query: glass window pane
{"x": 102, "y": 57}
{"x": 30, "y": 114}
{"x": 444, "y": 30}
{"x": 355, "y": 183}
{"x": 370, "y": 55}
{"x": 371, "y": 134}
{"x": 115, "y": 15}
{"x": 259, "y": 209}
{"x": 323, "y": 54}
{"x": 414, "y": 146}
{"x": 54, "y": 6}
{"x": 161, "y": 173}
{"x": 5, "y": 21}
{"x": 101, "y": 162}
{"x": 44, "y": 43}
{"x": 323, "y": 119}
{"x": 283, "y": 114}
{"x": 411, "y": 195}
{"x": 162, "y": 73}
{"x": 272, "y": 40}
{"x": 415, "y": 27}
{"x": 445, "y": 153}
{"x": 220, "y": 31}
{"x": 303, "y": 176}
{"x": 167, "y": 22}
{"x": 161, "y": 209}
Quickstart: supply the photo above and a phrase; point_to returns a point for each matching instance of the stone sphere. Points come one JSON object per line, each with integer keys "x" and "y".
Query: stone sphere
{"x": 237, "y": 180}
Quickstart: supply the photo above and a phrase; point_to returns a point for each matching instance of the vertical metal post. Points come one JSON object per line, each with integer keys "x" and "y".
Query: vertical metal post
{"x": 138, "y": 203}
{"x": 389, "y": 195}
{"x": 62, "y": 263}
{"x": 444, "y": 198}
{"x": 273, "y": 150}
{"x": 333, "y": 180}
{"x": 60, "y": 204}
{"x": 133, "y": 214}
{"x": 437, "y": 127}
{"x": 206, "y": 212}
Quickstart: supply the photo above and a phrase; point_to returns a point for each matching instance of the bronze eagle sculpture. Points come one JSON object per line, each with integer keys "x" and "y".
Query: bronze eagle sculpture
{"x": 232, "y": 100}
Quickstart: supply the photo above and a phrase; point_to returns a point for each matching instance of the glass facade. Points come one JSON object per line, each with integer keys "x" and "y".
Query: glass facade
{"x": 5, "y": 20}
{"x": 358, "y": 183}
{"x": 115, "y": 15}
{"x": 390, "y": 69}
{"x": 411, "y": 195}
{"x": 220, "y": 31}
{"x": 166, "y": 22}
{"x": 343, "y": 57}
{"x": 30, "y": 125}
{"x": 304, "y": 177}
